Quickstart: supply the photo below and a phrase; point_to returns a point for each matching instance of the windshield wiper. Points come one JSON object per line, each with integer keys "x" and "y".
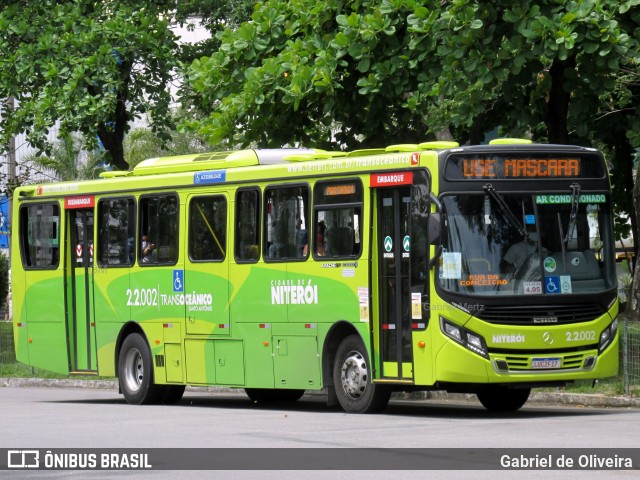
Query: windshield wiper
{"x": 488, "y": 188}
{"x": 575, "y": 198}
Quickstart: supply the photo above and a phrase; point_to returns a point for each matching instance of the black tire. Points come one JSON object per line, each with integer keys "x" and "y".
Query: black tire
{"x": 502, "y": 399}
{"x": 273, "y": 395}
{"x": 352, "y": 379}
{"x": 135, "y": 372}
{"x": 171, "y": 394}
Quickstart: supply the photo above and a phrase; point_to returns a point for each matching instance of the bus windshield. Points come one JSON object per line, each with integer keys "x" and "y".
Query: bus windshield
{"x": 527, "y": 244}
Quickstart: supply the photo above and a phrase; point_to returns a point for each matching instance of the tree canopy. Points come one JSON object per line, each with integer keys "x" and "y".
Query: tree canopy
{"x": 215, "y": 16}
{"x": 90, "y": 66}
{"x": 361, "y": 73}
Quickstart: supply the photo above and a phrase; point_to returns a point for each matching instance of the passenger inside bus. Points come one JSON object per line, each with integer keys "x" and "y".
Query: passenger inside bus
{"x": 147, "y": 249}
{"x": 320, "y": 238}
{"x": 302, "y": 240}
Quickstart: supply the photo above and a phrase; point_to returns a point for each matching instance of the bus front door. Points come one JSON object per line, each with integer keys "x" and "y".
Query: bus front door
{"x": 81, "y": 338}
{"x": 400, "y": 273}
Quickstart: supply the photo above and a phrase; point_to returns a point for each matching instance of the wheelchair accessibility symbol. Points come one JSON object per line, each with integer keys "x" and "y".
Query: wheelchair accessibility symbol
{"x": 178, "y": 280}
{"x": 552, "y": 284}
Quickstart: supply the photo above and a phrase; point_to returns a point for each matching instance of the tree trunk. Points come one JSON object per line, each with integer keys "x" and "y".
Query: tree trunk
{"x": 444, "y": 135}
{"x": 558, "y": 103}
{"x": 625, "y": 154}
{"x": 113, "y": 144}
{"x": 112, "y": 134}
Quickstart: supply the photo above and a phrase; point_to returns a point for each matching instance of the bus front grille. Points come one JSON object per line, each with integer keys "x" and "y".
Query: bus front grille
{"x": 569, "y": 361}
{"x": 540, "y": 314}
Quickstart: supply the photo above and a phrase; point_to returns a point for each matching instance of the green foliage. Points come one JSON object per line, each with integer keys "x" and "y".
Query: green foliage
{"x": 215, "y": 16}
{"x": 302, "y": 71}
{"x": 142, "y": 143}
{"x": 361, "y": 73}
{"x": 91, "y": 66}
{"x": 67, "y": 161}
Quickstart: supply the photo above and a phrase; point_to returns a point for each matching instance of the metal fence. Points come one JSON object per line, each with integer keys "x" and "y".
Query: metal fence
{"x": 7, "y": 353}
{"x": 630, "y": 355}
{"x": 629, "y": 373}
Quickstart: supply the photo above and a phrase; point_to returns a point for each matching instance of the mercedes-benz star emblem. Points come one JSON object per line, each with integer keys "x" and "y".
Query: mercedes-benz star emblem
{"x": 548, "y": 338}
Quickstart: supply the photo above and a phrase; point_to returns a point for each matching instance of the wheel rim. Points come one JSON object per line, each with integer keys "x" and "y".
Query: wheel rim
{"x": 133, "y": 370}
{"x": 354, "y": 375}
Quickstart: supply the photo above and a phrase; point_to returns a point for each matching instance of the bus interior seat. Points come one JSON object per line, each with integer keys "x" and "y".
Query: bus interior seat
{"x": 249, "y": 251}
{"x": 165, "y": 253}
{"x": 479, "y": 266}
{"x": 302, "y": 241}
{"x": 278, "y": 250}
{"x": 580, "y": 265}
{"x": 583, "y": 269}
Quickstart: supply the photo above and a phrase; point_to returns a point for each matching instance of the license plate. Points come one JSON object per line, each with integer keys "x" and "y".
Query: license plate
{"x": 544, "y": 363}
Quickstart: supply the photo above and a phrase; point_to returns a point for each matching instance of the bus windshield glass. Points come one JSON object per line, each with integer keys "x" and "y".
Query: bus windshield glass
{"x": 527, "y": 244}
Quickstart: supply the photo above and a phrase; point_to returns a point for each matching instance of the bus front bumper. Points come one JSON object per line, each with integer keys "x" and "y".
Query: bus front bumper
{"x": 456, "y": 364}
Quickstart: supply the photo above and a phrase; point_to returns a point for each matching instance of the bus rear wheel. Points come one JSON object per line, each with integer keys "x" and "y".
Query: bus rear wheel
{"x": 135, "y": 372}
{"x": 352, "y": 379}
{"x": 273, "y": 395}
{"x": 503, "y": 399}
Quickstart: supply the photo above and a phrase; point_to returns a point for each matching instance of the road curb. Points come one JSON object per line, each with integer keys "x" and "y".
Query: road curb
{"x": 538, "y": 398}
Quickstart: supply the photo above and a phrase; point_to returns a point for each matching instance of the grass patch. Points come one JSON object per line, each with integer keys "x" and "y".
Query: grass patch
{"x": 608, "y": 386}
{"x": 19, "y": 370}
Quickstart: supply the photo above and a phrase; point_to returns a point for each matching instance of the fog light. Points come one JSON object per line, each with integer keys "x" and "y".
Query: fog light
{"x": 502, "y": 365}
{"x": 589, "y": 362}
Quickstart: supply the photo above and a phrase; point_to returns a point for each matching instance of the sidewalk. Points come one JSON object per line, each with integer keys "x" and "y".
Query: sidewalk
{"x": 536, "y": 398}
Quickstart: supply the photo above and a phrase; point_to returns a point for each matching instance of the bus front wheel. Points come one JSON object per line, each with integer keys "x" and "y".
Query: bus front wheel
{"x": 352, "y": 379}
{"x": 135, "y": 371}
{"x": 502, "y": 399}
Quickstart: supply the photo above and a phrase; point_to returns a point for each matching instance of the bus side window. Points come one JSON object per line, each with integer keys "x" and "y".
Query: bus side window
{"x": 208, "y": 228}
{"x": 286, "y": 222}
{"x": 40, "y": 235}
{"x": 247, "y": 217}
{"x": 159, "y": 224}
{"x": 116, "y": 231}
{"x": 337, "y": 218}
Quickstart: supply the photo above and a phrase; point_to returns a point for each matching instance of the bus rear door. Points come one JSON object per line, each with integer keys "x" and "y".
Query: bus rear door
{"x": 81, "y": 339}
{"x": 212, "y": 357}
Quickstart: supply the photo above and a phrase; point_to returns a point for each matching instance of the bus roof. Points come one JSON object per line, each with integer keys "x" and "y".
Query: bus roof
{"x": 241, "y": 165}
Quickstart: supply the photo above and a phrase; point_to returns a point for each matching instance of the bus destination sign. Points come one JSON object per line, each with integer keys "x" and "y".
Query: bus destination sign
{"x": 513, "y": 168}
{"x": 491, "y": 167}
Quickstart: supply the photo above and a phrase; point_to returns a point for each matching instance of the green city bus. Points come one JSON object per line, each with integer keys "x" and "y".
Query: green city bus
{"x": 479, "y": 269}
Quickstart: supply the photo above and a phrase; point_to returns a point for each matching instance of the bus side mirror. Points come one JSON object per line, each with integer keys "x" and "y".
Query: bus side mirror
{"x": 434, "y": 228}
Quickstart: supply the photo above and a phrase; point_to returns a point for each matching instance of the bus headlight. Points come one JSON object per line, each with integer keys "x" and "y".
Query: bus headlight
{"x": 466, "y": 338}
{"x": 607, "y": 335}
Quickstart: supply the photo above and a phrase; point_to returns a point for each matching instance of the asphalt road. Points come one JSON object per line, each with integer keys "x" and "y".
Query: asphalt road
{"x": 73, "y": 418}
